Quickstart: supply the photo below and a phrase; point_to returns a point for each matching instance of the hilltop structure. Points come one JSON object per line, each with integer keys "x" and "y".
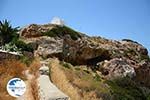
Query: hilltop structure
{"x": 57, "y": 21}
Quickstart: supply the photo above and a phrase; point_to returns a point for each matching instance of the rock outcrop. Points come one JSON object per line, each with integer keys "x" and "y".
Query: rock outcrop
{"x": 7, "y": 55}
{"x": 48, "y": 47}
{"x": 35, "y": 30}
{"x": 83, "y": 51}
{"x": 117, "y": 67}
{"x": 116, "y": 58}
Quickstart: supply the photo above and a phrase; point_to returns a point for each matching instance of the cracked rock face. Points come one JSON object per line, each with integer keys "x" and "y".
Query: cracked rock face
{"x": 48, "y": 46}
{"x": 83, "y": 52}
{"x": 115, "y": 58}
{"x": 116, "y": 68}
{"x": 35, "y": 30}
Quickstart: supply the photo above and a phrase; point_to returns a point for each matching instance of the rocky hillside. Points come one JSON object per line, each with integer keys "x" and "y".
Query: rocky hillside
{"x": 117, "y": 70}
{"x": 112, "y": 59}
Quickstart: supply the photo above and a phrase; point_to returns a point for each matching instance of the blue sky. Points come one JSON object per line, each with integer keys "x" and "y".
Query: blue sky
{"x": 113, "y": 19}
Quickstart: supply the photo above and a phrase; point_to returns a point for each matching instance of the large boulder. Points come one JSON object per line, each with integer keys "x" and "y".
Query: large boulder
{"x": 48, "y": 47}
{"x": 117, "y": 68}
{"x": 83, "y": 51}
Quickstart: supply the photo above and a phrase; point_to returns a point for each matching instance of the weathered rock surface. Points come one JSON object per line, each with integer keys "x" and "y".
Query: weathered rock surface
{"x": 123, "y": 57}
{"x": 7, "y": 55}
{"x": 82, "y": 50}
{"x": 35, "y": 30}
{"x": 117, "y": 68}
{"x": 48, "y": 46}
{"x": 143, "y": 73}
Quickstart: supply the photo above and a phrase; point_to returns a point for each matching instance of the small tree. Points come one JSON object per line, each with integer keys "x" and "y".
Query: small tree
{"x": 7, "y": 33}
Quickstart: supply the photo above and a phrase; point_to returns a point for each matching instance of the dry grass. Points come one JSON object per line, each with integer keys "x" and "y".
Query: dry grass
{"x": 35, "y": 89}
{"x": 8, "y": 70}
{"x": 60, "y": 80}
{"x": 73, "y": 82}
{"x": 15, "y": 68}
{"x": 34, "y": 67}
{"x": 90, "y": 87}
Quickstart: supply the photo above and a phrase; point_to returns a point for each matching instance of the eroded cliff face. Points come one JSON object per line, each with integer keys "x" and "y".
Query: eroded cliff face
{"x": 35, "y": 30}
{"x": 83, "y": 50}
{"x": 112, "y": 59}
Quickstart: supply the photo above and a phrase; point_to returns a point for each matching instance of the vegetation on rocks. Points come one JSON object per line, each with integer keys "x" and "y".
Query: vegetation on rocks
{"x": 104, "y": 60}
{"x": 120, "y": 88}
{"x": 10, "y": 37}
{"x": 127, "y": 89}
{"x": 83, "y": 83}
{"x": 89, "y": 68}
{"x": 145, "y": 57}
{"x": 23, "y": 46}
{"x": 61, "y": 31}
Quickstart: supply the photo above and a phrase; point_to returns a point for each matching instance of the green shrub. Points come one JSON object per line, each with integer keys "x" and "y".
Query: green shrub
{"x": 11, "y": 47}
{"x": 97, "y": 77}
{"x": 128, "y": 40}
{"x": 26, "y": 60}
{"x": 66, "y": 65}
{"x": 23, "y": 46}
{"x": 61, "y": 31}
{"x": 51, "y": 33}
{"x": 144, "y": 57}
{"x": 77, "y": 68}
{"x": 148, "y": 97}
{"x": 73, "y": 34}
{"x": 126, "y": 89}
{"x": 130, "y": 52}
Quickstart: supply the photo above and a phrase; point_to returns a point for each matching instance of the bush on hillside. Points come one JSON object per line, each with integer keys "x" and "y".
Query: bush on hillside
{"x": 126, "y": 89}
{"x": 61, "y": 31}
{"x": 23, "y": 46}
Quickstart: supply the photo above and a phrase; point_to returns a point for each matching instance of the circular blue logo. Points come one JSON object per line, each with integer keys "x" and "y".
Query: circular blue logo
{"x": 16, "y": 87}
